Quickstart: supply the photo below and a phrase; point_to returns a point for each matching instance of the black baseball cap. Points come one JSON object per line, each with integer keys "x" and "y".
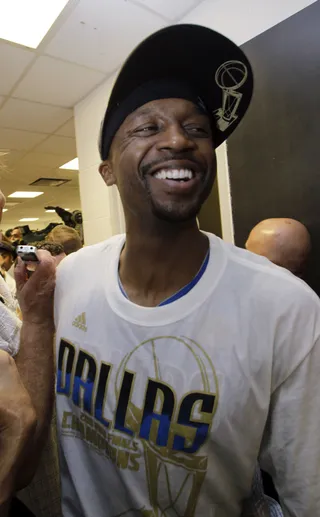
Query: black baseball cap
{"x": 183, "y": 61}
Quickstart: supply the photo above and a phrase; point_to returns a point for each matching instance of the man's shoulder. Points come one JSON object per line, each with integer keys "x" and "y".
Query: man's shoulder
{"x": 87, "y": 257}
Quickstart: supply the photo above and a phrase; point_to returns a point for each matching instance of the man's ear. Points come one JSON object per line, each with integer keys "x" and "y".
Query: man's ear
{"x": 106, "y": 171}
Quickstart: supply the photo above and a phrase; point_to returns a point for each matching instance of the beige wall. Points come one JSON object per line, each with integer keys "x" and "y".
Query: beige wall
{"x": 101, "y": 208}
{"x": 102, "y": 212}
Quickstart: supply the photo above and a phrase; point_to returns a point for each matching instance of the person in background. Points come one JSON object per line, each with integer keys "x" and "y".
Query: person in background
{"x": 67, "y": 237}
{"x": 26, "y": 379}
{"x": 285, "y": 242}
{"x": 72, "y": 219}
{"x": 8, "y": 256}
{"x": 16, "y": 236}
{"x": 8, "y": 233}
{"x": 7, "y": 293}
{"x": 55, "y": 249}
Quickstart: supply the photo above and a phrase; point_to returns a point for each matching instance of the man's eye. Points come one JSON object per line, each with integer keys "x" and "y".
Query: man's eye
{"x": 146, "y": 129}
{"x": 197, "y": 130}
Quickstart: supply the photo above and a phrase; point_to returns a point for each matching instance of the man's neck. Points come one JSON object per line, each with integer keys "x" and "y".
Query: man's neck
{"x": 154, "y": 265}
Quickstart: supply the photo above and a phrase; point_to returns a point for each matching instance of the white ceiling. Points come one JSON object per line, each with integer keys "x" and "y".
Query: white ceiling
{"x": 39, "y": 88}
{"x": 85, "y": 46}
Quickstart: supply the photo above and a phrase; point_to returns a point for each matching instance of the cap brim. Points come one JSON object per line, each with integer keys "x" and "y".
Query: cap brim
{"x": 216, "y": 68}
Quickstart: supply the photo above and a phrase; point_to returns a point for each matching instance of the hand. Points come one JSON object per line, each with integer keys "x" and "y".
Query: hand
{"x": 17, "y": 425}
{"x": 35, "y": 295}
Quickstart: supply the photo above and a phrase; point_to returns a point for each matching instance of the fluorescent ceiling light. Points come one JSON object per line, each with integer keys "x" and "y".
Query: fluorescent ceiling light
{"x": 26, "y": 22}
{"x": 29, "y": 195}
{"x": 73, "y": 165}
{"x": 5, "y": 210}
{"x": 67, "y": 208}
{"x": 28, "y": 219}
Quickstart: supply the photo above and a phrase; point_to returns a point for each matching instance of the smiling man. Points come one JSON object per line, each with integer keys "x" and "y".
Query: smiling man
{"x": 182, "y": 360}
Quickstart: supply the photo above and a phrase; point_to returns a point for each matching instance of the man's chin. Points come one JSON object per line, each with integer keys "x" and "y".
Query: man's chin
{"x": 175, "y": 214}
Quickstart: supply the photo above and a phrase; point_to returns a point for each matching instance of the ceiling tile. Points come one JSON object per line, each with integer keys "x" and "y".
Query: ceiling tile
{"x": 59, "y": 145}
{"x": 57, "y": 82}
{"x": 20, "y": 140}
{"x": 65, "y": 196}
{"x": 13, "y": 62}
{"x": 67, "y": 129}
{"x": 8, "y": 161}
{"x": 31, "y": 116}
{"x": 100, "y": 35}
{"x": 171, "y": 10}
{"x": 46, "y": 160}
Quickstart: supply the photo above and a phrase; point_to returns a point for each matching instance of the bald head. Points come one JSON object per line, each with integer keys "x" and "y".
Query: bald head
{"x": 285, "y": 242}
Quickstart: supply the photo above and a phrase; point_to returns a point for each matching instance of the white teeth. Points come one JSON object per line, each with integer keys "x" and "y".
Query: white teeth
{"x": 174, "y": 174}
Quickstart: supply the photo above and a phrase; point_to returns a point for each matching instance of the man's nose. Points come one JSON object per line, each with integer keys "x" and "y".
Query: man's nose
{"x": 176, "y": 138}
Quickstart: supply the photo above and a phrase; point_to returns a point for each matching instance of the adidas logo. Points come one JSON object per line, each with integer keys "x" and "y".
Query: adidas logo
{"x": 80, "y": 322}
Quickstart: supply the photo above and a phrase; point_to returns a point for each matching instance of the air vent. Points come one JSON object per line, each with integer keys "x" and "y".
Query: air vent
{"x": 49, "y": 182}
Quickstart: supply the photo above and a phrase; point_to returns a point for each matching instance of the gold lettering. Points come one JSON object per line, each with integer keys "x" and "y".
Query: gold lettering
{"x": 116, "y": 440}
{"x": 113, "y": 454}
{"x": 82, "y": 430}
{"x": 75, "y": 423}
{"x": 134, "y": 464}
{"x": 122, "y": 459}
{"x": 91, "y": 435}
{"x": 65, "y": 417}
{"x": 101, "y": 443}
{"x": 135, "y": 446}
{"x": 100, "y": 430}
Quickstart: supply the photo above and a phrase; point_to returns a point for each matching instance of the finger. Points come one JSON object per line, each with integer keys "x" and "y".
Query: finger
{"x": 45, "y": 270}
{"x": 20, "y": 274}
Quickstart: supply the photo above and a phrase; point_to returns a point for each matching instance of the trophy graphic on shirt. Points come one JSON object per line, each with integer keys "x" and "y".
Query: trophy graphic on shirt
{"x": 230, "y": 76}
{"x": 174, "y": 477}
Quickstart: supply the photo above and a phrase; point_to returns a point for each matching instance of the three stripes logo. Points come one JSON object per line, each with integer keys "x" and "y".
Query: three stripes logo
{"x": 80, "y": 322}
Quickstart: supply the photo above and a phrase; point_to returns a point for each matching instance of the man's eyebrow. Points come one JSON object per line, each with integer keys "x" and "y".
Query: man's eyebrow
{"x": 144, "y": 111}
{"x": 198, "y": 110}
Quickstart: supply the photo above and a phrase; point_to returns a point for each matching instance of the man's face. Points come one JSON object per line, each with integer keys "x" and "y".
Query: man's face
{"x": 6, "y": 260}
{"x": 16, "y": 235}
{"x": 162, "y": 160}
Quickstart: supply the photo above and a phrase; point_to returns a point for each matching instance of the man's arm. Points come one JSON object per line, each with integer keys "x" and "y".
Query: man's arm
{"x": 35, "y": 361}
{"x": 291, "y": 447}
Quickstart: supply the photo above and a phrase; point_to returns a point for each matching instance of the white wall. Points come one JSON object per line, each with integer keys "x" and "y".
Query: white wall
{"x": 102, "y": 213}
{"x": 240, "y": 21}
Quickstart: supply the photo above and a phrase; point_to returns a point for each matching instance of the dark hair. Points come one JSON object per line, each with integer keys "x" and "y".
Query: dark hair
{"x": 8, "y": 233}
{"x": 53, "y": 247}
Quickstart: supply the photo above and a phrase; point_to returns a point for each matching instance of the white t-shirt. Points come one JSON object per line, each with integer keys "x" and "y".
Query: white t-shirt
{"x": 164, "y": 411}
